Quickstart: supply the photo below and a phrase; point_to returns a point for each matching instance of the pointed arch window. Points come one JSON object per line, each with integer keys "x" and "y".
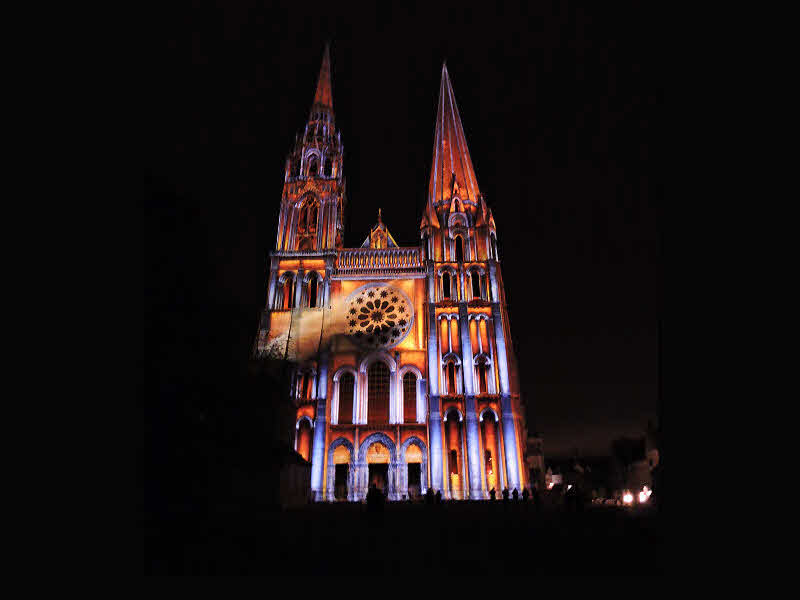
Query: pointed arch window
{"x": 312, "y": 291}
{"x": 476, "y": 284}
{"x": 286, "y": 297}
{"x": 446, "y": 285}
{"x": 483, "y": 387}
{"x": 410, "y": 397}
{"x": 378, "y": 393}
{"x": 346, "y": 391}
{"x": 313, "y": 166}
{"x": 459, "y": 243}
{"x": 451, "y": 378}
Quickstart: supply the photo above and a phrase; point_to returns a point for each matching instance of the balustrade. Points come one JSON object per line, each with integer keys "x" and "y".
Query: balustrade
{"x": 374, "y": 259}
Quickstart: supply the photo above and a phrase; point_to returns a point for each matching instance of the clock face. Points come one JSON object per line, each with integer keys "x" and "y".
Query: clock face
{"x": 378, "y": 316}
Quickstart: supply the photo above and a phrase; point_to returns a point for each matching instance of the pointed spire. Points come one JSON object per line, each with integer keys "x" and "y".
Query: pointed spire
{"x": 452, "y": 165}
{"x": 323, "y": 99}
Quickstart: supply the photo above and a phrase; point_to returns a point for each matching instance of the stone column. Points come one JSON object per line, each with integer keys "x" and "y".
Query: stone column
{"x": 273, "y": 277}
{"x": 467, "y": 370}
{"x": 327, "y": 286}
{"x": 493, "y": 281}
{"x": 298, "y": 288}
{"x": 509, "y": 430}
{"x": 318, "y": 457}
{"x": 435, "y": 441}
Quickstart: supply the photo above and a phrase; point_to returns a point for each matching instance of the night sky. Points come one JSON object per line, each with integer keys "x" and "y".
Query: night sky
{"x": 562, "y": 109}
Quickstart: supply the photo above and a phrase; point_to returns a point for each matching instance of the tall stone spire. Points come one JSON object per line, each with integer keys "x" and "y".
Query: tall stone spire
{"x": 323, "y": 99}
{"x": 452, "y": 166}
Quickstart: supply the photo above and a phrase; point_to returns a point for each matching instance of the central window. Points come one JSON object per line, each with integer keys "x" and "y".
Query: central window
{"x": 409, "y": 398}
{"x": 378, "y": 390}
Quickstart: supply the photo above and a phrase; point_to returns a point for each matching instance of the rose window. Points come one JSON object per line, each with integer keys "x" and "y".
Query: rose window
{"x": 379, "y": 316}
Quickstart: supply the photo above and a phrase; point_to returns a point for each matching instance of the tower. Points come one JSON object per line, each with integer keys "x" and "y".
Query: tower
{"x": 467, "y": 315}
{"x": 401, "y": 373}
{"x": 313, "y": 190}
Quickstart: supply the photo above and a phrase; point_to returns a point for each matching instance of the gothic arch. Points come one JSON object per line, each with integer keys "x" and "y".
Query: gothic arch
{"x": 363, "y": 469}
{"x": 335, "y": 399}
{"x": 420, "y": 408}
{"x": 491, "y": 410}
{"x": 351, "y": 475}
{"x": 304, "y": 418}
{"x": 457, "y": 411}
{"x": 363, "y": 385}
{"x": 404, "y": 465}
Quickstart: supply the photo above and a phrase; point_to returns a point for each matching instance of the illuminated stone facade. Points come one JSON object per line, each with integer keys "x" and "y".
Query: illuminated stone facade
{"x": 403, "y": 373}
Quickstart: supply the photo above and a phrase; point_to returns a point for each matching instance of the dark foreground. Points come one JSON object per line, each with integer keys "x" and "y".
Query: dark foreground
{"x": 483, "y": 539}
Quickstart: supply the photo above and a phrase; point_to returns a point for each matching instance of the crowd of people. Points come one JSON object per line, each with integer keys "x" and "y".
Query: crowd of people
{"x": 376, "y": 498}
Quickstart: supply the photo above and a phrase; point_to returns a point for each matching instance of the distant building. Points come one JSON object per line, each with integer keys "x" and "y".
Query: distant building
{"x": 535, "y": 462}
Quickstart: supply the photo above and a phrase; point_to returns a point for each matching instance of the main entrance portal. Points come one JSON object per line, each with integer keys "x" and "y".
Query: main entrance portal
{"x": 378, "y": 466}
{"x": 379, "y": 476}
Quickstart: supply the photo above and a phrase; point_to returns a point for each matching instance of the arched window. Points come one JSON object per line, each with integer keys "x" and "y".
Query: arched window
{"x": 313, "y": 166}
{"x": 312, "y": 292}
{"x": 451, "y": 378}
{"x": 494, "y": 247}
{"x": 459, "y": 249}
{"x": 378, "y": 393}
{"x": 476, "y": 284}
{"x": 445, "y": 285}
{"x": 347, "y": 385}
{"x": 304, "y": 439}
{"x": 287, "y": 293}
{"x": 482, "y": 384}
{"x": 306, "y": 383}
{"x": 311, "y": 218}
{"x": 410, "y": 397}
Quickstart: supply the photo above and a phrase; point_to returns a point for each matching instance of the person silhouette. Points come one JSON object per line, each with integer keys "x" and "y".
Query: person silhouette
{"x": 429, "y": 496}
{"x": 438, "y": 496}
{"x": 515, "y": 494}
{"x": 505, "y": 494}
{"x": 493, "y": 494}
{"x": 525, "y": 494}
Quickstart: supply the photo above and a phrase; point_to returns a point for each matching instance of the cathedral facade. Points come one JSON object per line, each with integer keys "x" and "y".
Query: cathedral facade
{"x": 403, "y": 375}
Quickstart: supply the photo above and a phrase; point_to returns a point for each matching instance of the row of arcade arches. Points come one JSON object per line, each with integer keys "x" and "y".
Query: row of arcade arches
{"x": 399, "y": 472}
{"x": 378, "y": 393}
{"x": 311, "y": 291}
{"x": 403, "y": 473}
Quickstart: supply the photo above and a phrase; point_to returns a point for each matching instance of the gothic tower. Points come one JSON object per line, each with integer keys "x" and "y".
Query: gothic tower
{"x": 467, "y": 317}
{"x": 313, "y": 191}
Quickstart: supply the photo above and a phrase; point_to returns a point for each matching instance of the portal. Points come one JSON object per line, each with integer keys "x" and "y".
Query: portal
{"x": 379, "y": 475}
{"x": 414, "y": 479}
{"x": 340, "y": 482}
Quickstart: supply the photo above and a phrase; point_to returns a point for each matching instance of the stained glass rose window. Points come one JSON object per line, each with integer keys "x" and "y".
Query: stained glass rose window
{"x": 383, "y": 316}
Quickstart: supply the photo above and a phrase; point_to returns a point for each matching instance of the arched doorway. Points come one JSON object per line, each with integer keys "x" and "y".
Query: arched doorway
{"x": 341, "y": 471}
{"x": 378, "y": 467}
{"x": 454, "y": 455}
{"x": 491, "y": 451}
{"x": 414, "y": 460}
{"x": 377, "y": 462}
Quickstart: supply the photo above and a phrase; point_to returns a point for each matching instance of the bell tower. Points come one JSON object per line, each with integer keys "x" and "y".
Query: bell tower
{"x": 476, "y": 373}
{"x": 313, "y": 191}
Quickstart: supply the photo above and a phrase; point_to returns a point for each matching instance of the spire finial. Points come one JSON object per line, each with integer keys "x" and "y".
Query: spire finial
{"x": 379, "y": 217}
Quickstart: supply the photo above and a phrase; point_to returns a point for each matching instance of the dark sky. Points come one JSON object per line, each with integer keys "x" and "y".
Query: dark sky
{"x": 562, "y": 107}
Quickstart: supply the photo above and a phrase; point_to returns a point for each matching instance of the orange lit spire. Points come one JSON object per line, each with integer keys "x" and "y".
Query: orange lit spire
{"x": 452, "y": 165}
{"x": 323, "y": 99}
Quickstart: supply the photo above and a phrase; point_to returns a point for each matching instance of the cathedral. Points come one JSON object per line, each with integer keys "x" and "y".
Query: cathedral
{"x": 403, "y": 374}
